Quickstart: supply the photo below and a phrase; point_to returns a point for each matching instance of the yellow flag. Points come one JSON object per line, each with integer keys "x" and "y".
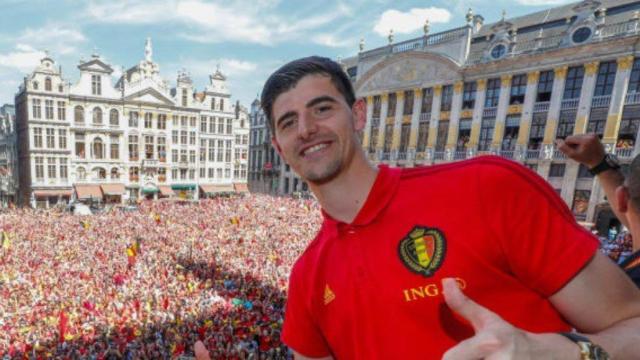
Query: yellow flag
{"x": 6, "y": 243}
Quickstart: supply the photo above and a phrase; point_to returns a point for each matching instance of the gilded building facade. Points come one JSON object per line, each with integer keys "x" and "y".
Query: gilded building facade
{"x": 113, "y": 143}
{"x": 509, "y": 88}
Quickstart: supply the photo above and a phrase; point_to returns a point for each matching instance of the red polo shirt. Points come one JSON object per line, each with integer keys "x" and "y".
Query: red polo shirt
{"x": 372, "y": 289}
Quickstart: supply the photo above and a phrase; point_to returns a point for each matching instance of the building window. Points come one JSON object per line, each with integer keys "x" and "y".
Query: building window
{"x": 115, "y": 174}
{"x": 227, "y": 151}
{"x": 62, "y": 110}
{"x": 469, "y": 95}
{"x": 113, "y": 117}
{"x": 37, "y": 137}
{"x": 36, "y": 109}
{"x": 162, "y": 121}
{"x": 192, "y": 121}
{"x": 377, "y": 104}
{"x": 545, "y": 86}
{"x": 628, "y": 130}
{"x": 133, "y": 119}
{"x": 184, "y": 97}
{"x": 183, "y": 156}
{"x": 82, "y": 173}
{"x": 47, "y": 84}
{"x": 96, "y": 85}
{"x": 229, "y": 126}
{"x": 408, "y": 103}
{"x": 115, "y": 147}
{"x": 464, "y": 134}
{"x": 556, "y": 170}
{"x": 427, "y": 101}
{"x": 51, "y": 167}
{"x": 64, "y": 169}
{"x": 213, "y": 103}
{"x": 192, "y": 156}
{"x": 405, "y": 131}
{"x": 566, "y": 123}
{"x": 212, "y": 125}
{"x": 183, "y": 137}
{"x": 391, "y": 105}
{"x": 220, "y": 154}
{"x": 606, "y": 78}
{"x": 35, "y": 85}
{"x": 498, "y": 51}
{"x": 162, "y": 149}
{"x": 573, "y": 83}
{"x": 447, "y": 98}
{"x": 97, "y": 115}
{"x": 162, "y": 174}
{"x": 134, "y": 174}
{"x": 518, "y": 89}
{"x": 183, "y": 121}
{"x": 148, "y": 120}
{"x": 192, "y": 137}
{"x": 486, "y": 133}
{"x": 584, "y": 173}
{"x": 80, "y": 149}
{"x": 174, "y": 136}
{"x": 60, "y": 88}
{"x": 423, "y": 136}
{"x": 388, "y": 137}
{"x": 221, "y": 104}
{"x": 512, "y": 126}
{"x": 443, "y": 132}
{"x": 581, "y": 35}
{"x": 148, "y": 147}
{"x": 98, "y": 149}
{"x": 492, "y": 93}
{"x": 62, "y": 138}
{"x": 174, "y": 156}
{"x": 220, "y": 126}
{"x": 133, "y": 148}
{"x": 634, "y": 80}
{"x": 212, "y": 150}
{"x": 581, "y": 203}
{"x": 48, "y": 109}
{"x": 536, "y": 134}
{"x": 203, "y": 124}
{"x": 203, "y": 150}
{"x": 78, "y": 114}
{"x": 39, "y": 168}
{"x": 51, "y": 138}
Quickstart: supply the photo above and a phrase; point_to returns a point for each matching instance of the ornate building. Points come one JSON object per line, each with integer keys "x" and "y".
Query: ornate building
{"x": 509, "y": 88}
{"x": 138, "y": 138}
{"x": 8, "y": 156}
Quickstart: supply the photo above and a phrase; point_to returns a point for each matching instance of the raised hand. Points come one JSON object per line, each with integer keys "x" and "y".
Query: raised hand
{"x": 585, "y": 149}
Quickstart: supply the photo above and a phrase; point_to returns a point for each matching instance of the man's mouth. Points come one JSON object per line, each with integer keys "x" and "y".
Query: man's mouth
{"x": 315, "y": 148}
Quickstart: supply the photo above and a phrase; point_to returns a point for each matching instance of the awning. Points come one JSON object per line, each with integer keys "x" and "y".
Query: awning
{"x": 241, "y": 187}
{"x": 214, "y": 189}
{"x": 50, "y": 193}
{"x": 165, "y": 190}
{"x": 183, "y": 187}
{"x": 149, "y": 190}
{"x": 113, "y": 189}
{"x": 88, "y": 191}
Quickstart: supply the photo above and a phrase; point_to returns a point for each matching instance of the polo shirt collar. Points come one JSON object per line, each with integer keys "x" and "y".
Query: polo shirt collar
{"x": 381, "y": 193}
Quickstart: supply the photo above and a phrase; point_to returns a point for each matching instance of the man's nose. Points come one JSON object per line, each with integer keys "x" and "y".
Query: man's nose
{"x": 306, "y": 126}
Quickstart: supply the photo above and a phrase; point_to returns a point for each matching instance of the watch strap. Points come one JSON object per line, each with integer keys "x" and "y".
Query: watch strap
{"x": 604, "y": 165}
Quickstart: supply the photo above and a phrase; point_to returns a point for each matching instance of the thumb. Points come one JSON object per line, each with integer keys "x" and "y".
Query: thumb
{"x": 201, "y": 351}
{"x": 457, "y": 301}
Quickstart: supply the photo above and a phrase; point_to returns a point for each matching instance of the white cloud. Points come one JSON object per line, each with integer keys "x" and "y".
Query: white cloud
{"x": 24, "y": 58}
{"x": 408, "y": 22}
{"x": 543, "y": 2}
{"x": 334, "y": 41}
{"x": 59, "y": 39}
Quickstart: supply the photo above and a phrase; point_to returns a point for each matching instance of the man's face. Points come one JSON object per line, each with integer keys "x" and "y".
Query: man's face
{"x": 315, "y": 129}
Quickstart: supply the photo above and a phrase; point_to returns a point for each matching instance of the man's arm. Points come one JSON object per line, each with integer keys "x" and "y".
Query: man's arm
{"x": 600, "y": 302}
{"x": 298, "y": 356}
{"x": 588, "y": 150}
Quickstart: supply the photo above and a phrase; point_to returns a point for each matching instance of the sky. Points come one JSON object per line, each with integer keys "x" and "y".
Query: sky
{"x": 247, "y": 39}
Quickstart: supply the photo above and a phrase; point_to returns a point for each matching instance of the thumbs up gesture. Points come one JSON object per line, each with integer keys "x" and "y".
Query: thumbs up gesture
{"x": 496, "y": 339}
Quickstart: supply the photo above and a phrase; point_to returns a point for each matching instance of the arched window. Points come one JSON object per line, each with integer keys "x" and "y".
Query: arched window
{"x": 35, "y": 85}
{"x": 115, "y": 174}
{"x": 100, "y": 173}
{"x": 98, "y": 149}
{"x": 97, "y": 115}
{"x": 113, "y": 117}
{"x": 78, "y": 114}
{"x": 47, "y": 84}
{"x": 82, "y": 173}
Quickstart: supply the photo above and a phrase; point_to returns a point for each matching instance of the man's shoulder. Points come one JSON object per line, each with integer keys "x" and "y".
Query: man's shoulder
{"x": 485, "y": 163}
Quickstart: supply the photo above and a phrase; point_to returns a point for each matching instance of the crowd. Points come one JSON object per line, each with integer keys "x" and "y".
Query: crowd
{"x": 148, "y": 284}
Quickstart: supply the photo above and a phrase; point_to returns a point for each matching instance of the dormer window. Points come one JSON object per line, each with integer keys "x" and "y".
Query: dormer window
{"x": 35, "y": 85}
{"x": 96, "y": 85}
{"x": 498, "y": 51}
{"x": 581, "y": 35}
{"x": 184, "y": 97}
{"x": 47, "y": 84}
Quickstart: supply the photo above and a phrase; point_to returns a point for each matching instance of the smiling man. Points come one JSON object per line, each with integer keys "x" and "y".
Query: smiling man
{"x": 384, "y": 278}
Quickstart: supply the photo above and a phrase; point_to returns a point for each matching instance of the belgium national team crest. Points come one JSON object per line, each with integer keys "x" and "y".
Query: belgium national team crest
{"x": 423, "y": 250}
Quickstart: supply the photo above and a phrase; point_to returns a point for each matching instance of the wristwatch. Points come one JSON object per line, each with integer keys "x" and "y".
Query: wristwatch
{"x": 610, "y": 161}
{"x": 588, "y": 350}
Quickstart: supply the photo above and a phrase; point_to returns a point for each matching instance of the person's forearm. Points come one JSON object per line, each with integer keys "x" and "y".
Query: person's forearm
{"x": 610, "y": 180}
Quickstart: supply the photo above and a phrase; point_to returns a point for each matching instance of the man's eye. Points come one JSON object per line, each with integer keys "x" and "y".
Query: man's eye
{"x": 286, "y": 124}
{"x": 323, "y": 109}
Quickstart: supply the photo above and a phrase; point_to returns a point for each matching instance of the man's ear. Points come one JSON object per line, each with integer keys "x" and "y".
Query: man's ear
{"x": 359, "y": 111}
{"x": 622, "y": 199}
{"x": 276, "y": 146}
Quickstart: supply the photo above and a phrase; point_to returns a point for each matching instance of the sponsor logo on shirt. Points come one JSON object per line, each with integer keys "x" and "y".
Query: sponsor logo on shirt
{"x": 329, "y": 296}
{"x": 422, "y": 250}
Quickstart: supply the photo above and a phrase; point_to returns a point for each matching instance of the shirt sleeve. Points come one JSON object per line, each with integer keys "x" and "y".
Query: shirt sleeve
{"x": 544, "y": 246}
{"x": 300, "y": 332}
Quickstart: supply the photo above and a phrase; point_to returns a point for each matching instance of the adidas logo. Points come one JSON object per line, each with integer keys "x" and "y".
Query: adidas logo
{"x": 329, "y": 296}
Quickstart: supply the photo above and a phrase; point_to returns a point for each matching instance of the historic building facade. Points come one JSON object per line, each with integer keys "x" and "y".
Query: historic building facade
{"x": 8, "y": 156}
{"x": 97, "y": 141}
{"x": 509, "y": 88}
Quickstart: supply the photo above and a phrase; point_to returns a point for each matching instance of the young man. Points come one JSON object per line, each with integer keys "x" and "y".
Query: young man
{"x": 623, "y": 195}
{"x": 384, "y": 277}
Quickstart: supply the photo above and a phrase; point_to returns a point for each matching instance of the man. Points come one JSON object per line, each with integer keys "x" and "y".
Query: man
{"x": 623, "y": 195}
{"x": 383, "y": 278}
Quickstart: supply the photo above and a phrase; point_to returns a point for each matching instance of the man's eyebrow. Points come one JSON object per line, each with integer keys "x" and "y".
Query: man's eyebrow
{"x": 285, "y": 116}
{"x": 320, "y": 99}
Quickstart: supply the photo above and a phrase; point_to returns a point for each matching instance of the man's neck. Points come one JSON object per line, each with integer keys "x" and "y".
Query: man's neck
{"x": 343, "y": 197}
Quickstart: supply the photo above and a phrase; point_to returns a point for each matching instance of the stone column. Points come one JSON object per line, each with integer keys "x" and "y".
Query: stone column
{"x": 367, "y": 126}
{"x": 586, "y": 94}
{"x": 560, "y": 74}
{"x": 433, "y": 124}
{"x": 384, "y": 106}
{"x": 501, "y": 114}
{"x": 456, "y": 105}
{"x": 397, "y": 125}
{"x": 527, "y": 114}
{"x": 618, "y": 96}
{"x": 477, "y": 117}
{"x": 415, "y": 121}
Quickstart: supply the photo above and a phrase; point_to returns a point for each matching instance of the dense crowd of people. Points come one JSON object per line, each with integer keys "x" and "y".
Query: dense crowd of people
{"x": 148, "y": 284}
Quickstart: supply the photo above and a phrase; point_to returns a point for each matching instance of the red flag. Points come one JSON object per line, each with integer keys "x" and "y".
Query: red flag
{"x": 62, "y": 325}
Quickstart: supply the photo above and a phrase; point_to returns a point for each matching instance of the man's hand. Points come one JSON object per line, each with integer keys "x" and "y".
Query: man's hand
{"x": 201, "y": 351}
{"x": 585, "y": 149}
{"x": 496, "y": 339}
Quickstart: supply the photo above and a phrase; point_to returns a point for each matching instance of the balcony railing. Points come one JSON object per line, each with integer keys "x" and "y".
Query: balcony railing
{"x": 402, "y": 155}
{"x": 460, "y": 155}
{"x": 600, "y": 101}
{"x": 558, "y": 155}
{"x": 507, "y": 154}
{"x": 385, "y": 156}
{"x": 150, "y": 163}
{"x": 438, "y": 155}
{"x": 541, "y": 106}
{"x": 533, "y": 154}
{"x": 568, "y": 104}
{"x": 425, "y": 116}
{"x": 632, "y": 98}
{"x": 624, "y": 153}
{"x": 490, "y": 112}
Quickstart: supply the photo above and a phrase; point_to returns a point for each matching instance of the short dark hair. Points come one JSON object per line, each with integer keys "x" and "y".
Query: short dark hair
{"x": 633, "y": 182}
{"x": 286, "y": 77}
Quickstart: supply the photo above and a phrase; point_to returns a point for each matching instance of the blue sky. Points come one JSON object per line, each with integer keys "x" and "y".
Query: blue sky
{"x": 248, "y": 38}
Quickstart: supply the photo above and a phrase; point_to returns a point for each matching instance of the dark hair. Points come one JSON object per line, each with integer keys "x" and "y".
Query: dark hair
{"x": 633, "y": 182}
{"x": 286, "y": 77}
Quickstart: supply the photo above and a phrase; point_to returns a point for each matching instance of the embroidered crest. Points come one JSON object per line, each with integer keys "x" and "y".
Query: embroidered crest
{"x": 423, "y": 250}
